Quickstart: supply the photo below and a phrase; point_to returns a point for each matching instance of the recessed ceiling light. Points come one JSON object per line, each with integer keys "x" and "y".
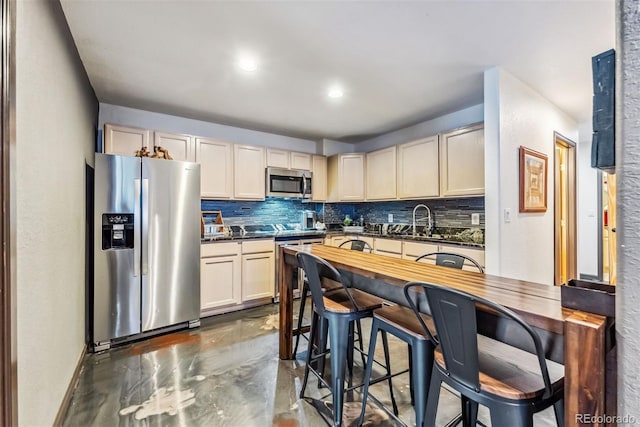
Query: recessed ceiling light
{"x": 335, "y": 92}
{"x": 247, "y": 63}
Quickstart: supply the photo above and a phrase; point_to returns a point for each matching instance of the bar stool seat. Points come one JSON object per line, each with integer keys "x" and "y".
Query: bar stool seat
{"x": 509, "y": 372}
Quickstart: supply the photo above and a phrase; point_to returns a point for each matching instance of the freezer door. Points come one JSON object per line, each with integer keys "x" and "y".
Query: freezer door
{"x": 170, "y": 242}
{"x": 116, "y": 287}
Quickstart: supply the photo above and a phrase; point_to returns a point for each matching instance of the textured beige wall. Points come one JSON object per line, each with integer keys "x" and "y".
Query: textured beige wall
{"x": 516, "y": 115}
{"x": 56, "y": 112}
{"x": 628, "y": 204}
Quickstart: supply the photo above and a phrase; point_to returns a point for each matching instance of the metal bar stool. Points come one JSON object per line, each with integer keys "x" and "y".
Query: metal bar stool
{"x": 402, "y": 323}
{"x": 337, "y": 312}
{"x": 514, "y": 384}
{"x": 355, "y": 245}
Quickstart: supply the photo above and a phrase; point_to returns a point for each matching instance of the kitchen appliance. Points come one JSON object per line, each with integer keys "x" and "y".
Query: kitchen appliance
{"x": 146, "y": 248}
{"x": 308, "y": 221}
{"x": 298, "y": 274}
{"x": 288, "y": 183}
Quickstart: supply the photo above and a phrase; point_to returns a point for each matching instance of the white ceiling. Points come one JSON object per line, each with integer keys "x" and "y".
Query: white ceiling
{"x": 399, "y": 62}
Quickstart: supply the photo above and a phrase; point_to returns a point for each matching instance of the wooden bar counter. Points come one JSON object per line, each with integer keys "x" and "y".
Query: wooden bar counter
{"x": 574, "y": 338}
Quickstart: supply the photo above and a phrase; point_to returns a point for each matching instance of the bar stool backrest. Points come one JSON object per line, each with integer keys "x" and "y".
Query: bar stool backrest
{"x": 452, "y": 260}
{"x": 357, "y": 245}
{"x": 316, "y": 270}
{"x": 454, "y": 316}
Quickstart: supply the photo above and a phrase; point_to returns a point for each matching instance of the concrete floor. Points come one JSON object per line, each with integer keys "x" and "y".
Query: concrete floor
{"x": 227, "y": 373}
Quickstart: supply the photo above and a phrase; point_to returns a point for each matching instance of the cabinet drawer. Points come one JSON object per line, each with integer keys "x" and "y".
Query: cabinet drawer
{"x": 219, "y": 249}
{"x": 387, "y": 245}
{"x": 475, "y": 254}
{"x": 413, "y": 250}
{"x": 255, "y": 246}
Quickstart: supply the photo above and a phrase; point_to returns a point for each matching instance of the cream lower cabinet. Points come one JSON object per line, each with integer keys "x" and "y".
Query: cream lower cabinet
{"x": 414, "y": 250}
{"x": 381, "y": 174}
{"x": 216, "y": 168}
{"x": 248, "y": 172}
{"x": 258, "y": 269}
{"x": 220, "y": 275}
{"x": 418, "y": 169}
{"x": 462, "y": 162}
{"x": 387, "y": 247}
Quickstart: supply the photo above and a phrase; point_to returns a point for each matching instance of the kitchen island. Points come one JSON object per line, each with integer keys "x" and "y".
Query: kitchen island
{"x": 574, "y": 338}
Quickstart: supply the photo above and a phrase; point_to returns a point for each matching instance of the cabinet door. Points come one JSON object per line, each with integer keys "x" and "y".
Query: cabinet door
{"x": 258, "y": 276}
{"x": 418, "y": 174}
{"x": 319, "y": 180}
{"x": 125, "y": 140}
{"x": 248, "y": 172}
{"x": 413, "y": 250}
{"x": 351, "y": 177}
{"x": 216, "y": 168}
{"x": 475, "y": 254}
{"x": 387, "y": 247}
{"x": 381, "y": 174}
{"x": 278, "y": 158}
{"x": 220, "y": 281}
{"x": 301, "y": 161}
{"x": 337, "y": 240}
{"x": 179, "y": 146}
{"x": 462, "y": 162}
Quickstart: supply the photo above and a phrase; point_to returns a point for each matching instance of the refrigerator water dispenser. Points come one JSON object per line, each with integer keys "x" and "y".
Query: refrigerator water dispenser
{"x": 117, "y": 231}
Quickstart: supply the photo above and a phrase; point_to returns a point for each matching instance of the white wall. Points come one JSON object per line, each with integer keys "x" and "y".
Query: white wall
{"x": 116, "y": 114}
{"x": 427, "y": 128}
{"x": 587, "y": 203}
{"x": 56, "y": 114}
{"x": 516, "y": 115}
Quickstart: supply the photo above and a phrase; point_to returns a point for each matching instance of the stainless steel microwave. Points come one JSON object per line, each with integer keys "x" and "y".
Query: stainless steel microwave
{"x": 288, "y": 183}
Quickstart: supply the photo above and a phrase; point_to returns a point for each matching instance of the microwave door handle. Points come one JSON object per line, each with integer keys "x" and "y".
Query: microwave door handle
{"x": 304, "y": 185}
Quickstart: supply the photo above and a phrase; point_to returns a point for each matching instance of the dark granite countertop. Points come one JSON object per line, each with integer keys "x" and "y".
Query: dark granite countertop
{"x": 316, "y": 233}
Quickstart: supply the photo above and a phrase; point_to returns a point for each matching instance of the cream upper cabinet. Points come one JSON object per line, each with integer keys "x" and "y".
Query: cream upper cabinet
{"x": 302, "y": 161}
{"x": 462, "y": 162}
{"x": 220, "y": 275}
{"x": 345, "y": 180}
{"x": 418, "y": 175}
{"x": 248, "y": 172}
{"x": 278, "y": 158}
{"x": 124, "y": 140}
{"x": 319, "y": 179}
{"x": 216, "y": 168}
{"x": 179, "y": 146}
{"x": 381, "y": 174}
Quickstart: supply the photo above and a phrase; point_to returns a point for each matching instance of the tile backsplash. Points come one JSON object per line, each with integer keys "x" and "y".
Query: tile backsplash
{"x": 455, "y": 212}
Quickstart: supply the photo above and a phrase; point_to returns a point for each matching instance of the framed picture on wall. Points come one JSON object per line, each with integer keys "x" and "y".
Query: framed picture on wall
{"x": 533, "y": 181}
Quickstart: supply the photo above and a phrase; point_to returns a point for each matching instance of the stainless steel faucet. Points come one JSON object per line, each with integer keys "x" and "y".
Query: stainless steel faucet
{"x": 429, "y": 221}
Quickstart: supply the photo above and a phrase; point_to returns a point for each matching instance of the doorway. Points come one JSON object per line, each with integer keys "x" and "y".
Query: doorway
{"x": 565, "y": 210}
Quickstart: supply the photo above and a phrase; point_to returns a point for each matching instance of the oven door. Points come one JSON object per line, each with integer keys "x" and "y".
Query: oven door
{"x": 297, "y": 273}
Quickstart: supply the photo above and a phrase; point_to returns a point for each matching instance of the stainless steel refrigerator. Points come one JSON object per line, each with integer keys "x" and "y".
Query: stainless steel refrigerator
{"x": 146, "y": 248}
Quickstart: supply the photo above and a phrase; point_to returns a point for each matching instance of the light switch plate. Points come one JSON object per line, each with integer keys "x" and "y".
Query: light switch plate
{"x": 390, "y": 218}
{"x": 507, "y": 215}
{"x": 475, "y": 219}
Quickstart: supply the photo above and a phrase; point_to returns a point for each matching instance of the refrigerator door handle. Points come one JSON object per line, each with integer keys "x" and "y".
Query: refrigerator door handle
{"x": 145, "y": 226}
{"x": 136, "y": 228}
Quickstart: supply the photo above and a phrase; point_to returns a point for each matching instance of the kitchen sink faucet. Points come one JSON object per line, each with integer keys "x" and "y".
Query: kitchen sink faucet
{"x": 429, "y": 222}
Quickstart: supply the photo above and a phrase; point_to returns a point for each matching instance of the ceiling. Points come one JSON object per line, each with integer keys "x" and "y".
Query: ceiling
{"x": 398, "y": 63}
